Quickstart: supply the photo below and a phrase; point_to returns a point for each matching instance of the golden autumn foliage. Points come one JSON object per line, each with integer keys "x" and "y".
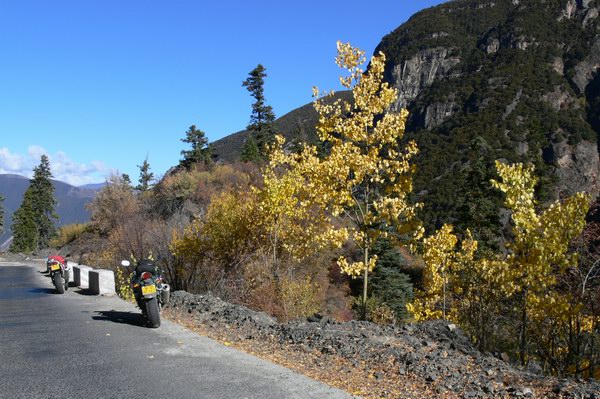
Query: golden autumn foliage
{"x": 214, "y": 246}
{"x": 257, "y": 240}
{"x": 365, "y": 179}
{"x": 367, "y": 175}
{"x": 539, "y": 250}
{"x": 443, "y": 262}
{"x": 291, "y": 211}
{"x": 527, "y": 274}
{"x": 226, "y": 229}
{"x": 68, "y": 233}
{"x": 539, "y": 253}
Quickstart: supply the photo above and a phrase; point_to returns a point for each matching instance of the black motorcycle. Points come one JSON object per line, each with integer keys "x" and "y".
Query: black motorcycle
{"x": 59, "y": 273}
{"x": 149, "y": 289}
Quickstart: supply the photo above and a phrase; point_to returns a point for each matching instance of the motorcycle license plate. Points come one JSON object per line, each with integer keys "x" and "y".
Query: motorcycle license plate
{"x": 55, "y": 267}
{"x": 148, "y": 289}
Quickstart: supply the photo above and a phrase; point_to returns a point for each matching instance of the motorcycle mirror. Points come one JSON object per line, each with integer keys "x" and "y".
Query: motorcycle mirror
{"x": 125, "y": 263}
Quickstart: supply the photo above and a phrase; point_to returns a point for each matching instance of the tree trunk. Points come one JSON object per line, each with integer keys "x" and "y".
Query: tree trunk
{"x": 444, "y": 295}
{"x": 523, "y": 333}
{"x": 365, "y": 283}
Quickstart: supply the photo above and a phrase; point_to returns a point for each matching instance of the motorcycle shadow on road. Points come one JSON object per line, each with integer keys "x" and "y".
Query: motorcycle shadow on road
{"x": 41, "y": 290}
{"x": 134, "y": 319}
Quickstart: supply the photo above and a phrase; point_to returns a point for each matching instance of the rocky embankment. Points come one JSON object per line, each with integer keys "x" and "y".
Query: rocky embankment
{"x": 433, "y": 359}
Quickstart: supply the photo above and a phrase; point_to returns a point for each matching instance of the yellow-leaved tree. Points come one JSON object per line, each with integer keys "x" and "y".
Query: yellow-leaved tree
{"x": 457, "y": 286}
{"x": 367, "y": 175}
{"x": 214, "y": 247}
{"x": 443, "y": 265}
{"x": 291, "y": 218}
{"x": 291, "y": 210}
{"x": 259, "y": 238}
{"x": 526, "y": 274}
{"x": 539, "y": 252}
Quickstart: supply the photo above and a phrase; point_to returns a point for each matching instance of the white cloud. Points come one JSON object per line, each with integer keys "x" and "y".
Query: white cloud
{"x": 10, "y": 162}
{"x": 62, "y": 167}
{"x": 36, "y": 152}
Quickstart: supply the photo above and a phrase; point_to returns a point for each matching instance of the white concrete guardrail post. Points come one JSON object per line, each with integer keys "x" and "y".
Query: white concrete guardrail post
{"x": 72, "y": 265}
{"x": 81, "y": 276}
{"x": 102, "y": 282}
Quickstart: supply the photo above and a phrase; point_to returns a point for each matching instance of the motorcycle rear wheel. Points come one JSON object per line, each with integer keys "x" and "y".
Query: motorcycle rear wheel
{"x": 152, "y": 313}
{"x": 59, "y": 283}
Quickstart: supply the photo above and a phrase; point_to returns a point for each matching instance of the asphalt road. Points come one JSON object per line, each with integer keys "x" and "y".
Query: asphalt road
{"x": 81, "y": 346}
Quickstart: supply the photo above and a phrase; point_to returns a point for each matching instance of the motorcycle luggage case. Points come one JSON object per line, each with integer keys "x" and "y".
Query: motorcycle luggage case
{"x": 146, "y": 266}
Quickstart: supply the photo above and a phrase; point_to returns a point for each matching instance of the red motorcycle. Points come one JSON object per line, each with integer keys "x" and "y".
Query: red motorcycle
{"x": 59, "y": 273}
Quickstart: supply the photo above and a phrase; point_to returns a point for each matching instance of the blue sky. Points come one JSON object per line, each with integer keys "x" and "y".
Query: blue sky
{"x": 99, "y": 85}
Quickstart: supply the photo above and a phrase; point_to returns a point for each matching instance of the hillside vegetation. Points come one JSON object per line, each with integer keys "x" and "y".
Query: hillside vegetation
{"x": 471, "y": 207}
{"x": 512, "y": 80}
{"x": 297, "y": 126}
{"x": 483, "y": 80}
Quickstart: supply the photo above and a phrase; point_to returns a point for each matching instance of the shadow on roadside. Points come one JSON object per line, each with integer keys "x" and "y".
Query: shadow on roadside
{"x": 134, "y": 319}
{"x": 83, "y": 291}
{"x": 43, "y": 290}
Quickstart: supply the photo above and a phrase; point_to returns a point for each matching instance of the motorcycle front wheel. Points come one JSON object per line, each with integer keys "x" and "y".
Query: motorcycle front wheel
{"x": 59, "y": 283}
{"x": 152, "y": 313}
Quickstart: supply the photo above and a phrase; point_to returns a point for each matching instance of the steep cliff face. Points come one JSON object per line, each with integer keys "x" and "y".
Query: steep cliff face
{"x": 503, "y": 79}
{"x": 577, "y": 167}
{"x": 419, "y": 72}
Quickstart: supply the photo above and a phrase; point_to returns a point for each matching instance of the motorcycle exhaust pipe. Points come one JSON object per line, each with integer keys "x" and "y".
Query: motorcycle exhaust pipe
{"x": 165, "y": 293}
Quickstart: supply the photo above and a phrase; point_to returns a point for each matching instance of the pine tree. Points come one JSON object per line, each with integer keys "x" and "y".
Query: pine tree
{"x": 390, "y": 283}
{"x": 250, "y": 152}
{"x": 201, "y": 151}
{"x": 125, "y": 180}
{"x": 25, "y": 233}
{"x": 261, "y": 120}
{"x": 34, "y": 223}
{"x": 43, "y": 202}
{"x": 146, "y": 177}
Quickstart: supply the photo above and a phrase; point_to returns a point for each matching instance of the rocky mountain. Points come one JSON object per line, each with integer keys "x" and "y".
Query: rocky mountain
{"x": 504, "y": 79}
{"x": 493, "y": 79}
{"x": 70, "y": 206}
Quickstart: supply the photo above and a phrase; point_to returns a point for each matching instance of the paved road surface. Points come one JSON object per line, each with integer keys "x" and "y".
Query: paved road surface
{"x": 81, "y": 346}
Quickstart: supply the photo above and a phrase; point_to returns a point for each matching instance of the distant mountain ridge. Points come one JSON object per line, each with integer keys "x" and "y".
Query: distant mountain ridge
{"x": 93, "y": 186}
{"x": 71, "y": 202}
